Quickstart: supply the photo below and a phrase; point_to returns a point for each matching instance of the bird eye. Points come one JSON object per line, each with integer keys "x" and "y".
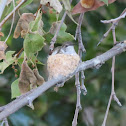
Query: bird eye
{"x": 66, "y": 45}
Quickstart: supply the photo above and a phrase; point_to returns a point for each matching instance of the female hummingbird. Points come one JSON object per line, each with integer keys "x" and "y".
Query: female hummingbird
{"x": 63, "y": 61}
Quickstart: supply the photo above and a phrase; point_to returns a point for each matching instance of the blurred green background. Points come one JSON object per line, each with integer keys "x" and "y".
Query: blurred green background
{"x": 57, "y": 108}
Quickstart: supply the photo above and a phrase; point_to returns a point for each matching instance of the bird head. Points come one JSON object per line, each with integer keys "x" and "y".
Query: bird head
{"x": 68, "y": 48}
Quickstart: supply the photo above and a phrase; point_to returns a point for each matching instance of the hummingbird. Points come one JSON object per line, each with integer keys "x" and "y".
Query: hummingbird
{"x": 63, "y": 61}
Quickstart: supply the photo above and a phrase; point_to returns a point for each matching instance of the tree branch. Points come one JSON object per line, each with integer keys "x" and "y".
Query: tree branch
{"x": 33, "y": 94}
{"x": 79, "y": 86}
{"x": 11, "y": 13}
{"x": 116, "y": 19}
{"x": 114, "y": 25}
{"x": 56, "y": 34}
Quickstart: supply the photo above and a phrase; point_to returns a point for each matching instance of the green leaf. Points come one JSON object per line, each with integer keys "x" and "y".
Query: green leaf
{"x": 7, "y": 62}
{"x": 37, "y": 25}
{"x": 34, "y": 41}
{"x": 70, "y": 16}
{"x": 62, "y": 35}
{"x": 10, "y": 8}
{"x": 67, "y": 5}
{"x": 15, "y": 89}
{"x": 105, "y": 1}
{"x": 26, "y": 3}
{"x": 33, "y": 58}
{"x": 32, "y": 44}
{"x": 34, "y": 25}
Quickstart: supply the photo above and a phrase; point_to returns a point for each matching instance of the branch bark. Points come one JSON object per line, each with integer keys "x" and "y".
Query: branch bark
{"x": 33, "y": 94}
{"x": 11, "y": 13}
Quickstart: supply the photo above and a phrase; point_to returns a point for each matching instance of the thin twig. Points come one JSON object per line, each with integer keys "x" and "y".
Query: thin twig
{"x": 83, "y": 87}
{"x": 23, "y": 100}
{"x": 77, "y": 82}
{"x": 78, "y": 34}
{"x": 18, "y": 54}
{"x": 11, "y": 13}
{"x": 56, "y": 34}
{"x": 57, "y": 31}
{"x": 113, "y": 95}
{"x": 114, "y": 24}
{"x": 5, "y": 121}
{"x": 113, "y": 20}
{"x": 11, "y": 23}
{"x": 78, "y": 103}
{"x": 107, "y": 111}
{"x": 81, "y": 50}
{"x": 74, "y": 122}
{"x": 113, "y": 72}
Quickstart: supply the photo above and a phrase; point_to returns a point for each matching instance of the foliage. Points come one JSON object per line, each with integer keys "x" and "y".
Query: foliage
{"x": 57, "y": 108}
{"x": 15, "y": 89}
{"x": 62, "y": 35}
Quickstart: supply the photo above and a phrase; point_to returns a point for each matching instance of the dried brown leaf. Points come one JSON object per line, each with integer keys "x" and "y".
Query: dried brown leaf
{"x": 54, "y": 27}
{"x": 26, "y": 78}
{"x": 53, "y": 3}
{"x": 23, "y": 24}
{"x": 81, "y": 9}
{"x": 1, "y": 34}
{"x": 40, "y": 79}
{"x": 3, "y": 47}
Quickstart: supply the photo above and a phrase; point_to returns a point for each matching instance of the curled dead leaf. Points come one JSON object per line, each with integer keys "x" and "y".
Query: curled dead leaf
{"x": 3, "y": 47}
{"x": 23, "y": 24}
{"x": 54, "y": 27}
{"x": 40, "y": 79}
{"x": 81, "y": 7}
{"x": 27, "y": 78}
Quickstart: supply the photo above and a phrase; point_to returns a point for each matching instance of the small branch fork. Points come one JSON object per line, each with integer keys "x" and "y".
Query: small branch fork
{"x": 114, "y": 25}
{"x": 5, "y": 121}
{"x": 123, "y": 15}
{"x": 78, "y": 104}
{"x": 113, "y": 94}
{"x": 81, "y": 50}
{"x": 33, "y": 94}
{"x": 77, "y": 82}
